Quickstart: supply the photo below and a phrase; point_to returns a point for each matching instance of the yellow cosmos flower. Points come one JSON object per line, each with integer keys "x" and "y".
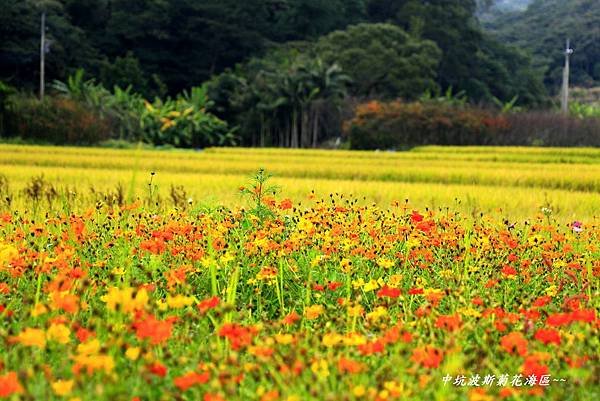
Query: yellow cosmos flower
{"x": 32, "y": 338}
{"x": 394, "y": 280}
{"x": 62, "y": 387}
{"x": 354, "y": 339}
{"x": 59, "y": 333}
{"x": 551, "y": 291}
{"x": 385, "y": 263}
{"x": 132, "y": 353}
{"x": 332, "y": 339}
{"x": 377, "y": 314}
{"x": 125, "y": 299}
{"x": 305, "y": 225}
{"x": 284, "y": 339}
{"x": 88, "y": 348}
{"x": 320, "y": 368}
{"x": 372, "y": 285}
{"x": 356, "y": 284}
{"x": 7, "y": 253}
{"x": 355, "y": 311}
{"x": 346, "y": 265}
{"x": 38, "y": 310}
{"x": 359, "y": 391}
{"x": 179, "y": 301}
{"x": 313, "y": 312}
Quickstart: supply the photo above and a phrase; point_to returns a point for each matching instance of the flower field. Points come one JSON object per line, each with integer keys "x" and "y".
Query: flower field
{"x": 251, "y": 291}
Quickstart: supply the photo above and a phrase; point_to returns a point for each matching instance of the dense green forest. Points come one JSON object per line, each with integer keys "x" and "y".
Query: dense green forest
{"x": 281, "y": 72}
{"x": 542, "y": 30}
{"x": 165, "y": 46}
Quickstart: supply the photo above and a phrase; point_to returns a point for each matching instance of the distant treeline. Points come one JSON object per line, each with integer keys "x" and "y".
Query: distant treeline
{"x": 165, "y": 46}
{"x": 289, "y": 73}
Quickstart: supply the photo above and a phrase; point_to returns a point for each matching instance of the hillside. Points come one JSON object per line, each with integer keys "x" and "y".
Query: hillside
{"x": 543, "y": 28}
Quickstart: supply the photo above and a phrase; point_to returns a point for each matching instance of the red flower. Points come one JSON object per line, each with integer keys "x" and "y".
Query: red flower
{"x": 386, "y": 291}
{"x": 584, "y": 315}
{"x": 190, "y": 379}
{"x": 334, "y": 285}
{"x": 158, "y": 369}
{"x": 426, "y": 226}
{"x": 207, "y": 304}
{"x": 416, "y": 217}
{"x": 83, "y": 334}
{"x": 415, "y": 291}
{"x": 514, "y": 341}
{"x": 542, "y": 301}
{"x": 509, "y": 270}
{"x": 558, "y": 319}
{"x": 548, "y": 336}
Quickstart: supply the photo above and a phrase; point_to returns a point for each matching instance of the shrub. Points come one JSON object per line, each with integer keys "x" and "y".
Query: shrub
{"x": 55, "y": 120}
{"x": 403, "y": 125}
{"x": 543, "y": 128}
{"x": 182, "y": 122}
{"x": 399, "y": 125}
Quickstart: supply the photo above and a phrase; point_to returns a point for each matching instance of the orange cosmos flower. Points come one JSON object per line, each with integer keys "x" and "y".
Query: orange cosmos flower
{"x": 239, "y": 336}
{"x": 190, "y": 379}
{"x": 450, "y": 323}
{"x": 428, "y": 356}
{"x": 313, "y": 312}
{"x": 285, "y": 204}
{"x": 213, "y": 397}
{"x": 291, "y": 318}
{"x": 390, "y": 292}
{"x": 207, "y": 304}
{"x": 270, "y": 396}
{"x": 532, "y": 366}
{"x": 9, "y": 385}
{"x": 349, "y": 366}
{"x": 62, "y": 300}
{"x": 158, "y": 331}
{"x": 514, "y": 341}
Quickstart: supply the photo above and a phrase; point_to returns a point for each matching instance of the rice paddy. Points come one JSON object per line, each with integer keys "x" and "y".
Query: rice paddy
{"x": 513, "y": 182}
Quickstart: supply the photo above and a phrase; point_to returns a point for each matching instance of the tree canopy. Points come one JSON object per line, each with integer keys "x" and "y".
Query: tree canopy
{"x": 543, "y": 28}
{"x": 383, "y": 60}
{"x": 165, "y": 46}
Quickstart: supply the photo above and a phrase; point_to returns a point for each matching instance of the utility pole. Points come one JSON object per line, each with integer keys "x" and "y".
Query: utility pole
{"x": 564, "y": 99}
{"x": 43, "y": 56}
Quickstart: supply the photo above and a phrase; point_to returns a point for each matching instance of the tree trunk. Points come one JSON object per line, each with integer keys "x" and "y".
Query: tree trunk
{"x": 305, "y": 133}
{"x": 294, "y": 139}
{"x": 315, "y": 126}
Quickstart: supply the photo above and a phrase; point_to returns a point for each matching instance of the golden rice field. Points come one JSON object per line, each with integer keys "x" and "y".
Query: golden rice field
{"x": 512, "y": 182}
{"x": 114, "y": 287}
